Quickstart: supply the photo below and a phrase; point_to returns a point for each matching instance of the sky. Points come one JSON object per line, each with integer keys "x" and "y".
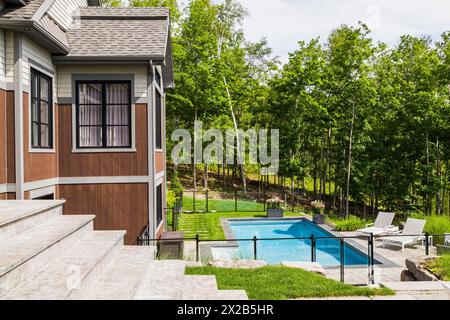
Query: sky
{"x": 285, "y": 22}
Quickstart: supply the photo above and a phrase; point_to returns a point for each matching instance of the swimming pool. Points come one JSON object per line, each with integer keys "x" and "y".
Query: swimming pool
{"x": 276, "y": 251}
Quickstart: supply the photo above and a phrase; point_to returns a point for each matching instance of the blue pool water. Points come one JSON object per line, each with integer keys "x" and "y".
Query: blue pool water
{"x": 274, "y": 252}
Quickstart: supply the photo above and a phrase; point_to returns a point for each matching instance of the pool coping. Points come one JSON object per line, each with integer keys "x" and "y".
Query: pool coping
{"x": 384, "y": 262}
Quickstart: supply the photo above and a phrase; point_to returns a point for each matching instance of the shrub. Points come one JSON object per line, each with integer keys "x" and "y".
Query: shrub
{"x": 440, "y": 267}
{"x": 435, "y": 225}
{"x": 353, "y": 223}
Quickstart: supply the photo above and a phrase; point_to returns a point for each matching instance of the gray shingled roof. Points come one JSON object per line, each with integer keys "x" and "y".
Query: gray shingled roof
{"x": 52, "y": 28}
{"x": 119, "y": 32}
{"x": 21, "y": 13}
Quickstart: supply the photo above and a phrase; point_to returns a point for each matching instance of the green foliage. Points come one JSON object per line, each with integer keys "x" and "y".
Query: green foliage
{"x": 440, "y": 267}
{"x": 435, "y": 225}
{"x": 176, "y": 185}
{"x": 282, "y": 283}
{"x": 352, "y": 223}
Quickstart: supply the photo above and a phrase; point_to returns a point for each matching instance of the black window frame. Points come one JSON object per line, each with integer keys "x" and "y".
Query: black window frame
{"x": 39, "y": 75}
{"x": 159, "y": 205}
{"x": 104, "y": 125}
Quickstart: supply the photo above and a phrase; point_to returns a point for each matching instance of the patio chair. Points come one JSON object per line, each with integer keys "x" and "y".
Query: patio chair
{"x": 447, "y": 240}
{"x": 381, "y": 225}
{"x": 411, "y": 234}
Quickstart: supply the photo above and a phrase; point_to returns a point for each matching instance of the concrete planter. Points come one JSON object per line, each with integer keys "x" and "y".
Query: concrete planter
{"x": 275, "y": 213}
{"x": 319, "y": 218}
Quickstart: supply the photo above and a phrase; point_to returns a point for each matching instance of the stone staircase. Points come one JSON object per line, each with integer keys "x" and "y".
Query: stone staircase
{"x": 47, "y": 255}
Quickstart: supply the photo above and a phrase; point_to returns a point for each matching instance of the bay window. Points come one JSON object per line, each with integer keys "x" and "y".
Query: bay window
{"x": 103, "y": 114}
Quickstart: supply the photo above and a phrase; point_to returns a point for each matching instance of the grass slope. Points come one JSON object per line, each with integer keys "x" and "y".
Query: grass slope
{"x": 208, "y": 225}
{"x": 441, "y": 267}
{"x": 220, "y": 205}
{"x": 281, "y": 283}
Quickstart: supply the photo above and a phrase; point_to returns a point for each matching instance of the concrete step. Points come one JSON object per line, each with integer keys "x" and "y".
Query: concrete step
{"x": 414, "y": 286}
{"x": 198, "y": 287}
{"x": 19, "y": 216}
{"x": 232, "y": 295}
{"x": 74, "y": 272}
{"x": 164, "y": 280}
{"x": 121, "y": 278}
{"x": 24, "y": 255}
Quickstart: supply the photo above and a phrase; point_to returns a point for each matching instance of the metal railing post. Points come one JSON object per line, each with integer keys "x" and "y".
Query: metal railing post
{"x": 207, "y": 202}
{"x": 197, "y": 255}
{"x": 235, "y": 201}
{"x": 255, "y": 253}
{"x": 427, "y": 244}
{"x": 313, "y": 248}
{"x": 342, "y": 260}
{"x": 193, "y": 204}
{"x": 372, "y": 260}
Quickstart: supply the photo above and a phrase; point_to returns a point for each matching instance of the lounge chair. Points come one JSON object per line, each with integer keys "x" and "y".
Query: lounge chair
{"x": 411, "y": 234}
{"x": 381, "y": 226}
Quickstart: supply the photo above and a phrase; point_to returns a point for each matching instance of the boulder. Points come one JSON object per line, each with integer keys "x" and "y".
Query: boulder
{"x": 237, "y": 264}
{"x": 407, "y": 276}
{"x": 416, "y": 266}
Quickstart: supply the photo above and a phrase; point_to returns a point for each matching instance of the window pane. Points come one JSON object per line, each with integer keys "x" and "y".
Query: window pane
{"x": 34, "y": 134}
{"x": 118, "y": 115}
{"x": 158, "y": 120}
{"x": 117, "y": 93}
{"x": 44, "y": 89}
{"x": 34, "y": 110}
{"x": 44, "y": 113}
{"x": 91, "y": 136}
{"x": 118, "y": 136}
{"x": 45, "y": 134}
{"x": 34, "y": 85}
{"x": 90, "y": 115}
{"x": 90, "y": 93}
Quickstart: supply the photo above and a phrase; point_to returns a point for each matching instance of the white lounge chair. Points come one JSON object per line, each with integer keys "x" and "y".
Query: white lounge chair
{"x": 381, "y": 226}
{"x": 411, "y": 233}
{"x": 447, "y": 239}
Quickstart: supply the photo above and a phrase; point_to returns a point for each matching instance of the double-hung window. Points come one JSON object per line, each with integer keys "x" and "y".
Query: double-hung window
{"x": 159, "y": 206}
{"x": 158, "y": 120}
{"x": 41, "y": 111}
{"x": 104, "y": 114}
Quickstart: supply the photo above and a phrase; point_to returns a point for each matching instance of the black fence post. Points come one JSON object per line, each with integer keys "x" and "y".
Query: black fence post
{"x": 235, "y": 201}
{"x": 197, "y": 253}
{"x": 193, "y": 204}
{"x": 427, "y": 244}
{"x": 264, "y": 198}
{"x": 313, "y": 248}
{"x": 255, "y": 253}
{"x": 207, "y": 202}
{"x": 342, "y": 260}
{"x": 372, "y": 259}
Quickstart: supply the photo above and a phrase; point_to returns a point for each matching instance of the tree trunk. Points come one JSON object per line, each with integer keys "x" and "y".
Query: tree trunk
{"x": 439, "y": 177}
{"x": 349, "y": 167}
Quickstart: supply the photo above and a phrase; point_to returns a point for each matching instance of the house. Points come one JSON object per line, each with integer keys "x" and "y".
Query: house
{"x": 82, "y": 109}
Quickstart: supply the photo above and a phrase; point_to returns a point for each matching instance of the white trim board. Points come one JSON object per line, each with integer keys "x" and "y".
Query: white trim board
{"x": 40, "y": 184}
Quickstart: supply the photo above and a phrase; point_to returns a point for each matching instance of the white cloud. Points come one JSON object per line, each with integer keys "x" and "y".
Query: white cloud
{"x": 284, "y": 22}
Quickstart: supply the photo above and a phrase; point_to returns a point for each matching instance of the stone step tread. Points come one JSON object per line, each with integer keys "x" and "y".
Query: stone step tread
{"x": 414, "y": 285}
{"x": 17, "y": 250}
{"x": 122, "y": 277}
{"x": 15, "y": 210}
{"x": 164, "y": 280}
{"x": 232, "y": 295}
{"x": 199, "y": 287}
{"x": 67, "y": 271}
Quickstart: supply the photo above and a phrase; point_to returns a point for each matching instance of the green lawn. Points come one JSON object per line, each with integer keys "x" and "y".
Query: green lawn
{"x": 281, "y": 283}
{"x": 208, "y": 225}
{"x": 220, "y": 205}
{"x": 441, "y": 267}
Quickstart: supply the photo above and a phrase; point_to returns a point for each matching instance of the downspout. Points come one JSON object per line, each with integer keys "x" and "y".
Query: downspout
{"x": 18, "y": 116}
{"x": 151, "y": 152}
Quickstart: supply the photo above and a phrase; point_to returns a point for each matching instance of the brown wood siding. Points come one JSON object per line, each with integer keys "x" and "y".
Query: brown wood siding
{"x": 160, "y": 159}
{"x": 37, "y": 166}
{"x": 3, "y": 149}
{"x": 116, "y": 206}
{"x": 102, "y": 164}
{"x": 10, "y": 140}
